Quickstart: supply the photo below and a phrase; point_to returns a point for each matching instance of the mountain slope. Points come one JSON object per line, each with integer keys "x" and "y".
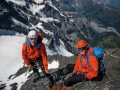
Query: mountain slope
{"x": 66, "y": 20}
{"x": 94, "y": 17}
{"x": 21, "y": 16}
{"x": 63, "y": 23}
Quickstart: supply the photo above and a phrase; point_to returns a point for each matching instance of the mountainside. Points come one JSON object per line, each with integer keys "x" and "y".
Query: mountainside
{"x": 66, "y": 20}
{"x": 98, "y": 21}
{"x": 21, "y": 16}
{"x": 63, "y": 23}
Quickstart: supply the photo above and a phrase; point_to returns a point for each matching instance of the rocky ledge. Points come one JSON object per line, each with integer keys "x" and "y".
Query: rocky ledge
{"x": 110, "y": 82}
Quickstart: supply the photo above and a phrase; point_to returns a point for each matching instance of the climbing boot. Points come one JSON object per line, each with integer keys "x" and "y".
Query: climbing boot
{"x": 36, "y": 76}
{"x": 51, "y": 83}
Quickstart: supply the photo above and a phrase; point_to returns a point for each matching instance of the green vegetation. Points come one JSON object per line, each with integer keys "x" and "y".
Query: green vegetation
{"x": 109, "y": 17}
{"x": 104, "y": 40}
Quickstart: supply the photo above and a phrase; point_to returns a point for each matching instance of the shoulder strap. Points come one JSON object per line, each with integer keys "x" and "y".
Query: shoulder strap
{"x": 28, "y": 43}
{"x": 92, "y": 54}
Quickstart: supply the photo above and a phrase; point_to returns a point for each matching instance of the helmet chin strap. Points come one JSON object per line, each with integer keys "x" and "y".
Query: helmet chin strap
{"x": 86, "y": 49}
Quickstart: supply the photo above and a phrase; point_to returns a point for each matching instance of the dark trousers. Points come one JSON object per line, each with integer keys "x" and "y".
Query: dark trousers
{"x": 70, "y": 67}
{"x": 74, "y": 78}
{"x": 35, "y": 69}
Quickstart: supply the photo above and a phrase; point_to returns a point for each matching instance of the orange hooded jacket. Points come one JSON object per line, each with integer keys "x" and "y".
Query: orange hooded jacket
{"x": 33, "y": 53}
{"x": 81, "y": 65}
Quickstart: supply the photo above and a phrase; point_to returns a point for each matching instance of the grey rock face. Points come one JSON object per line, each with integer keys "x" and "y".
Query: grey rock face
{"x": 110, "y": 82}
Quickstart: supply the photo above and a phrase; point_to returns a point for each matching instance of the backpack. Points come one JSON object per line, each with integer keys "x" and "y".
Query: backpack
{"x": 99, "y": 53}
{"x": 28, "y": 43}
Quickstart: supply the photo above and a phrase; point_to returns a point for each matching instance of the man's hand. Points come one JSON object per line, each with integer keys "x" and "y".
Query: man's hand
{"x": 47, "y": 71}
{"x": 76, "y": 72}
{"x": 29, "y": 66}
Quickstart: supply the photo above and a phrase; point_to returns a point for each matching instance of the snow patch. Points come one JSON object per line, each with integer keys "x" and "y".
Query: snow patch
{"x": 49, "y": 20}
{"x": 39, "y": 25}
{"x": 18, "y": 2}
{"x": 38, "y": 1}
{"x": 36, "y": 8}
{"x": 59, "y": 49}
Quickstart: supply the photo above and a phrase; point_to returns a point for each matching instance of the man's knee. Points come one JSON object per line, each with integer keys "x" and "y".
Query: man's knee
{"x": 70, "y": 67}
{"x": 68, "y": 82}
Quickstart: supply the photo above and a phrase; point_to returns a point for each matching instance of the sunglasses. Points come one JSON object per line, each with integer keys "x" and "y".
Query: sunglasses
{"x": 81, "y": 49}
{"x": 33, "y": 38}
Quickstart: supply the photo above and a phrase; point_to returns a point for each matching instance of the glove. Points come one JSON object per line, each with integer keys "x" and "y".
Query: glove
{"x": 47, "y": 71}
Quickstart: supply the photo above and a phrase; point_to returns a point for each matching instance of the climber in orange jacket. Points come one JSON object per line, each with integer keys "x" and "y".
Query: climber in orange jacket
{"x": 33, "y": 50}
{"x": 85, "y": 72}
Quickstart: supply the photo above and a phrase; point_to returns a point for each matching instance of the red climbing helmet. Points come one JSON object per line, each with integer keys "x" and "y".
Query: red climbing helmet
{"x": 81, "y": 44}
